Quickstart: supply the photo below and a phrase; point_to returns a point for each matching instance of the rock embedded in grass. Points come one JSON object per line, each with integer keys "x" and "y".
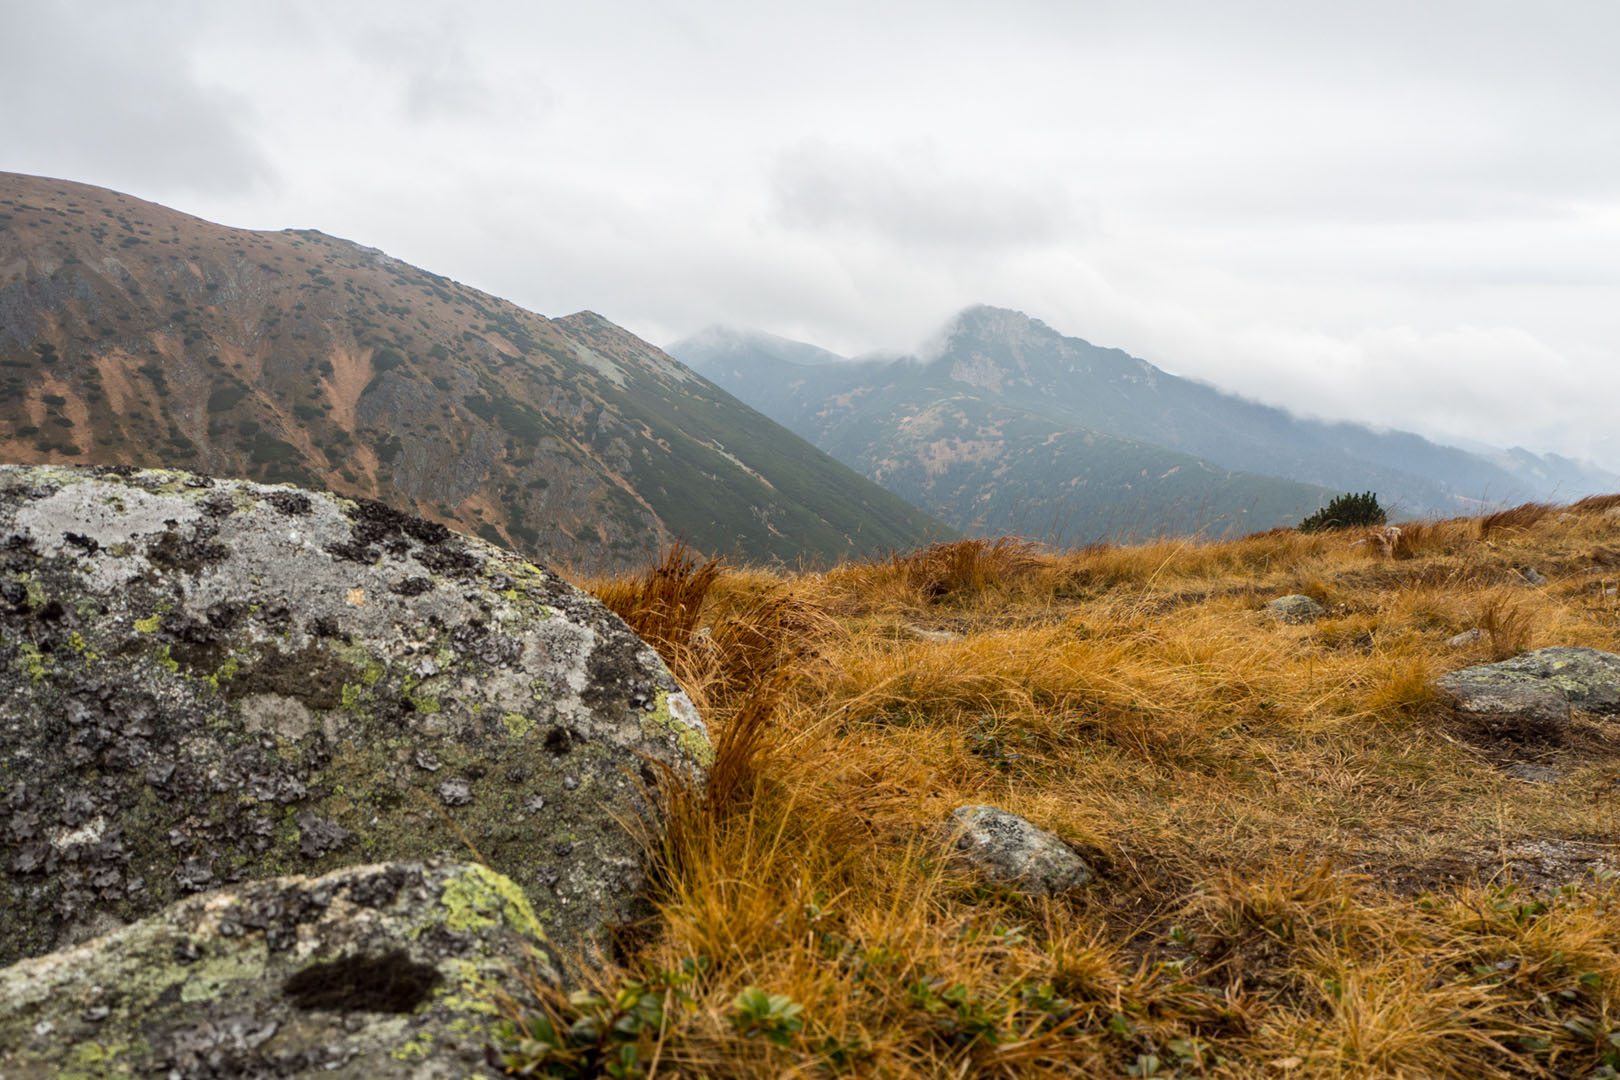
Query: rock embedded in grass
{"x": 1010, "y": 850}
{"x": 923, "y": 633}
{"x": 377, "y": 971}
{"x": 1529, "y": 698}
{"x": 1297, "y": 608}
{"x": 1587, "y": 679}
{"x": 205, "y": 682}
{"x": 1533, "y": 773}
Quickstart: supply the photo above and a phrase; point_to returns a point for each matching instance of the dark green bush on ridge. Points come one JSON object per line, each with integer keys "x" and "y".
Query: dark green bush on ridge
{"x": 1347, "y": 511}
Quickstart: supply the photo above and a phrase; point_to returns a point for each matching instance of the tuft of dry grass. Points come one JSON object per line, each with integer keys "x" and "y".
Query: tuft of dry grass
{"x": 1514, "y": 519}
{"x": 1508, "y": 624}
{"x": 958, "y": 571}
{"x": 662, "y": 604}
{"x": 1595, "y": 504}
{"x": 1307, "y": 867}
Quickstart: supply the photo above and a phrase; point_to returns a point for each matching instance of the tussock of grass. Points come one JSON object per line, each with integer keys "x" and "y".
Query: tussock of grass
{"x": 1307, "y": 867}
{"x": 1514, "y": 519}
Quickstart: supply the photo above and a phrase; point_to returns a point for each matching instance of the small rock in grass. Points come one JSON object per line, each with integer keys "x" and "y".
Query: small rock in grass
{"x": 922, "y": 633}
{"x": 1014, "y": 852}
{"x": 1535, "y": 774}
{"x": 1297, "y": 608}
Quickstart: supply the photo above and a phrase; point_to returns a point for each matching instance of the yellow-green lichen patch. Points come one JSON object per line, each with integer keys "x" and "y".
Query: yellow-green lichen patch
{"x": 470, "y": 992}
{"x": 149, "y": 624}
{"x": 95, "y": 1058}
{"x": 692, "y": 739}
{"x": 33, "y": 662}
{"x": 416, "y": 1047}
{"x": 479, "y": 897}
{"x": 518, "y": 724}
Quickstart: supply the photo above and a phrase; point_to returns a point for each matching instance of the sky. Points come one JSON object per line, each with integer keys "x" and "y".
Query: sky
{"x": 1406, "y": 214}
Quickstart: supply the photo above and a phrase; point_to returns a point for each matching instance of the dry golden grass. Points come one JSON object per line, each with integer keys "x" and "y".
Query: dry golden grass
{"x": 1515, "y": 519}
{"x": 1307, "y": 867}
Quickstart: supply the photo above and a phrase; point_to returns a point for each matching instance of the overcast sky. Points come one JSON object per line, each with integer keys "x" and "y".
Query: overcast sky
{"x": 1403, "y": 213}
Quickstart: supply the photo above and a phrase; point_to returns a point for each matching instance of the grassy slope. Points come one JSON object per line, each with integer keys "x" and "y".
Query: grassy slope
{"x": 1308, "y": 867}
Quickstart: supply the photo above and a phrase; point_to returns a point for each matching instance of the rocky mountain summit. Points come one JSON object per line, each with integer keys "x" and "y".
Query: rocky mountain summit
{"x": 211, "y": 682}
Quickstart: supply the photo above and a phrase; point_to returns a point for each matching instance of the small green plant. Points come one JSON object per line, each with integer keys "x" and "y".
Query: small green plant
{"x": 1346, "y": 511}
{"x": 775, "y": 1016}
{"x": 590, "y": 1035}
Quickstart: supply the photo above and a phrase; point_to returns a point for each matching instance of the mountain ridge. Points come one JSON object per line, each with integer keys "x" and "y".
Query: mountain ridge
{"x": 132, "y": 333}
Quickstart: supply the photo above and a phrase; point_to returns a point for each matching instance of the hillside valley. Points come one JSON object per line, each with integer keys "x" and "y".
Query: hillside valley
{"x": 1007, "y": 425}
{"x": 133, "y": 334}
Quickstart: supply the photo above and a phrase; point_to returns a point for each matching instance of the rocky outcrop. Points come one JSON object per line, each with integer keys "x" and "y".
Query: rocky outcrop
{"x": 369, "y": 972}
{"x": 206, "y": 682}
{"x": 1010, "y": 850}
{"x": 1297, "y": 608}
{"x": 1533, "y": 693}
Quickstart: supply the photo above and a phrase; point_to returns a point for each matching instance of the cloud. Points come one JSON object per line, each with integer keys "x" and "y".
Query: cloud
{"x": 1392, "y": 212}
{"x": 111, "y": 92}
{"x": 909, "y": 198}
{"x": 1496, "y": 384}
{"x": 429, "y": 63}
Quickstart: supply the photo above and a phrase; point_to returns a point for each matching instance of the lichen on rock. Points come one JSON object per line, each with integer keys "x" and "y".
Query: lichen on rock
{"x": 204, "y": 682}
{"x": 379, "y": 971}
{"x": 1528, "y": 698}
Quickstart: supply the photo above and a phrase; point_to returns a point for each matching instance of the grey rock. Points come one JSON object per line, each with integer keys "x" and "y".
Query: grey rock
{"x": 1533, "y": 773}
{"x": 1466, "y": 638}
{"x": 368, "y": 972}
{"x": 923, "y": 633}
{"x": 456, "y": 792}
{"x": 1532, "y": 576}
{"x": 1014, "y": 852}
{"x": 1296, "y": 608}
{"x": 1582, "y": 678}
{"x": 204, "y": 682}
{"x": 1518, "y": 710}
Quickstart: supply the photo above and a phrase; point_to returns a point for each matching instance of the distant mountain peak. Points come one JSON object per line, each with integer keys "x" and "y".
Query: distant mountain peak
{"x": 985, "y": 325}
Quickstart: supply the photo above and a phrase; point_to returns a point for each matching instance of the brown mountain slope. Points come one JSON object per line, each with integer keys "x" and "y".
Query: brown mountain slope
{"x": 134, "y": 334}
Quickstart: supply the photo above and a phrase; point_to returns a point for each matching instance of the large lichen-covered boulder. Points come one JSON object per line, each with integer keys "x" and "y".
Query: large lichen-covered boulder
{"x": 204, "y": 682}
{"x": 371, "y": 972}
